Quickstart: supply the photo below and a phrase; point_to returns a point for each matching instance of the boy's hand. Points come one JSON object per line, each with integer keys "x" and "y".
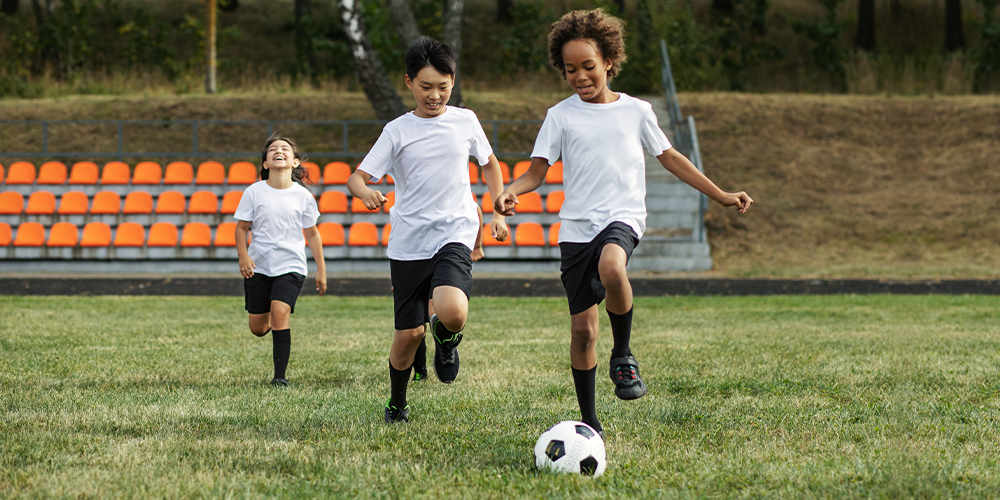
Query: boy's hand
{"x": 498, "y": 229}
{"x": 321, "y": 284}
{"x": 504, "y": 204}
{"x": 740, "y": 200}
{"x": 373, "y": 199}
{"x": 247, "y": 267}
{"x": 478, "y": 253}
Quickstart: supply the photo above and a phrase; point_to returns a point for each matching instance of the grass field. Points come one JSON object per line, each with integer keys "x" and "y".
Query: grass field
{"x": 839, "y": 396}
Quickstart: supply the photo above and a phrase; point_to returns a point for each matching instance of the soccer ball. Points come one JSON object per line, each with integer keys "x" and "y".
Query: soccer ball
{"x": 571, "y": 447}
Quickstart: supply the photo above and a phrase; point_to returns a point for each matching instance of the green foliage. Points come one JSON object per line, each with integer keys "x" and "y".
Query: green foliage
{"x": 740, "y": 41}
{"x": 692, "y": 52}
{"x": 428, "y": 15}
{"x": 523, "y": 45}
{"x": 827, "y": 52}
{"x": 145, "y": 44}
{"x": 987, "y": 55}
{"x": 383, "y": 37}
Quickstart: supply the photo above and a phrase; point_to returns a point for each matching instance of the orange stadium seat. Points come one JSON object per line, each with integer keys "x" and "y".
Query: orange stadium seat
{"x": 333, "y": 202}
{"x": 230, "y": 202}
{"x": 386, "y": 231}
{"x": 363, "y": 234}
{"x": 196, "y": 234}
{"x": 473, "y": 173}
{"x": 147, "y": 172}
{"x": 490, "y": 241}
{"x": 63, "y": 234}
{"x": 390, "y": 201}
{"x": 242, "y": 172}
{"x": 137, "y": 202}
{"x": 555, "y": 173}
{"x": 84, "y": 172}
{"x": 336, "y": 172}
{"x": 178, "y": 172}
{"x": 554, "y": 201}
{"x": 96, "y": 234}
{"x": 331, "y": 233}
{"x": 107, "y": 203}
{"x": 1, "y": 172}
{"x": 41, "y": 203}
{"x": 115, "y": 172}
{"x": 6, "y": 234}
{"x": 52, "y": 172}
{"x": 225, "y": 235}
{"x": 30, "y": 234}
{"x": 130, "y": 234}
{"x": 169, "y": 202}
{"x": 554, "y": 234}
{"x": 210, "y": 172}
{"x": 162, "y": 234}
{"x": 358, "y": 206}
{"x": 504, "y": 173}
{"x": 529, "y": 203}
{"x": 73, "y": 203}
{"x": 520, "y": 168}
{"x": 203, "y": 202}
{"x": 21, "y": 172}
{"x": 529, "y": 234}
{"x": 11, "y": 203}
{"x": 313, "y": 176}
{"x": 487, "y": 204}
{"x": 389, "y": 180}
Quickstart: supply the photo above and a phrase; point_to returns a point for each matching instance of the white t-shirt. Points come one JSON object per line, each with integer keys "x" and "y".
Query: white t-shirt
{"x": 604, "y": 171}
{"x": 277, "y": 218}
{"x": 428, "y": 158}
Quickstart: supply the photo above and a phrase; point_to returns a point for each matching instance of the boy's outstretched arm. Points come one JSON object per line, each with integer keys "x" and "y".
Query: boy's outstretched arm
{"x": 529, "y": 181}
{"x": 357, "y": 185}
{"x": 477, "y": 252}
{"x": 316, "y": 247}
{"x": 494, "y": 181}
{"x": 681, "y": 167}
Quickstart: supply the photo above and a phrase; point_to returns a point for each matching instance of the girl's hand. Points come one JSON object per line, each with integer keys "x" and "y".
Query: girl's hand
{"x": 504, "y": 204}
{"x": 478, "y": 253}
{"x": 321, "y": 284}
{"x": 498, "y": 229}
{"x": 247, "y": 267}
{"x": 373, "y": 199}
{"x": 740, "y": 200}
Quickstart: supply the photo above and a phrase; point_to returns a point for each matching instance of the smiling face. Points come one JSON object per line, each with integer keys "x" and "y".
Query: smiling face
{"x": 432, "y": 90}
{"x": 280, "y": 155}
{"x": 587, "y": 71}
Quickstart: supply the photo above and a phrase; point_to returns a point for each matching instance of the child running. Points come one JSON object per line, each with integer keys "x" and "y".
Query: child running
{"x": 434, "y": 221}
{"x": 278, "y": 210}
{"x": 600, "y": 135}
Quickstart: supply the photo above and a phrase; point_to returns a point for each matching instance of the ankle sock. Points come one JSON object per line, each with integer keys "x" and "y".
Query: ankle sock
{"x": 281, "y": 349}
{"x": 586, "y": 396}
{"x": 621, "y": 330}
{"x": 397, "y": 381}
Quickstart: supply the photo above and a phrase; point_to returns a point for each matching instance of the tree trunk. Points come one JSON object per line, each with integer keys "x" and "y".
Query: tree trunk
{"x": 229, "y": 5}
{"x": 372, "y": 76}
{"x": 895, "y": 10}
{"x": 402, "y": 18}
{"x": 452, "y": 37}
{"x": 9, "y": 7}
{"x": 210, "y": 48}
{"x": 865, "y": 39}
{"x": 504, "y": 14}
{"x": 954, "y": 38}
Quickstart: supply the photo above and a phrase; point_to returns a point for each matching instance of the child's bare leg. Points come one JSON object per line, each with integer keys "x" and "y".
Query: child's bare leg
{"x": 404, "y": 345}
{"x": 611, "y": 268}
{"x": 280, "y": 314}
{"x": 583, "y": 358}
{"x": 451, "y": 307}
{"x": 281, "y": 339}
{"x": 624, "y": 369}
{"x": 260, "y": 324}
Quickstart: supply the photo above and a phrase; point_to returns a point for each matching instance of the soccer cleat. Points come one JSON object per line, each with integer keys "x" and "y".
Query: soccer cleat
{"x": 625, "y": 375}
{"x": 279, "y": 382}
{"x": 393, "y": 414}
{"x": 420, "y": 362}
{"x": 446, "y": 354}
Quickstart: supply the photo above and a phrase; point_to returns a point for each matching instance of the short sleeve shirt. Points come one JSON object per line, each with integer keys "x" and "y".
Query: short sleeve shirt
{"x": 428, "y": 158}
{"x": 277, "y": 218}
{"x": 604, "y": 170}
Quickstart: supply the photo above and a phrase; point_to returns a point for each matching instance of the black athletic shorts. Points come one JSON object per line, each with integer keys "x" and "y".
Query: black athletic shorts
{"x": 579, "y": 265}
{"x": 261, "y": 290}
{"x": 414, "y": 281}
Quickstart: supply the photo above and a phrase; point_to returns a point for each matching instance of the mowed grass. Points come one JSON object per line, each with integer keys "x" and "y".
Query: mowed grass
{"x": 835, "y": 396}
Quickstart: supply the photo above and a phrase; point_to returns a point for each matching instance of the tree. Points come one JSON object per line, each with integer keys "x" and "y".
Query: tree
{"x": 954, "y": 38}
{"x": 406, "y": 29}
{"x": 210, "y": 48}
{"x": 229, "y": 5}
{"x": 305, "y": 50}
{"x": 865, "y": 39}
{"x": 372, "y": 76}
{"x": 9, "y": 7}
{"x": 406, "y": 25}
{"x": 504, "y": 14}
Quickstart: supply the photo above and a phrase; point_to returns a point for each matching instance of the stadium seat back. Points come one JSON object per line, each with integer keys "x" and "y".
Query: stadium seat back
{"x": 358, "y": 206}
{"x": 554, "y": 201}
{"x": 203, "y": 202}
{"x": 108, "y": 203}
{"x": 490, "y": 241}
{"x": 138, "y": 202}
{"x": 242, "y": 172}
{"x": 331, "y": 233}
{"x": 390, "y": 201}
{"x": 170, "y": 202}
{"x": 332, "y": 202}
{"x": 30, "y": 234}
{"x": 363, "y": 234}
{"x": 115, "y": 172}
{"x": 96, "y": 234}
{"x": 41, "y": 203}
{"x": 63, "y": 234}
{"x": 313, "y": 176}
{"x": 178, "y": 172}
{"x": 1, "y": 172}
{"x": 73, "y": 203}
{"x": 209, "y": 173}
{"x": 520, "y": 168}
{"x": 84, "y": 172}
{"x": 230, "y": 202}
{"x": 529, "y": 203}
{"x": 147, "y": 172}
{"x": 52, "y": 172}
{"x": 336, "y": 172}
{"x": 130, "y": 234}
{"x": 196, "y": 234}
{"x": 162, "y": 234}
{"x": 555, "y": 173}
{"x": 6, "y": 234}
{"x": 487, "y": 204}
{"x": 473, "y": 173}
{"x": 21, "y": 172}
{"x": 11, "y": 203}
{"x": 529, "y": 234}
{"x": 225, "y": 235}
{"x": 554, "y": 234}
{"x": 386, "y": 232}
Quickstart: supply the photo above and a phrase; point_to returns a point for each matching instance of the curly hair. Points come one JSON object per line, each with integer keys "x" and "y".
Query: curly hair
{"x": 607, "y": 31}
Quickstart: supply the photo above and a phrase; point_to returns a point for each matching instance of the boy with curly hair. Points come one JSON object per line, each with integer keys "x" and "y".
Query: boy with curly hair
{"x": 600, "y": 134}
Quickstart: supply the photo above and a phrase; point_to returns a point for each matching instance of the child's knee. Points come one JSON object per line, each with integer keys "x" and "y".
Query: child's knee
{"x": 259, "y": 328}
{"x": 584, "y": 333}
{"x": 453, "y": 316}
{"x": 411, "y": 337}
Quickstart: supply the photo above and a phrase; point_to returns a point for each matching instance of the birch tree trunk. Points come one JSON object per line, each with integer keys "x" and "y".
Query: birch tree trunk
{"x": 452, "y": 37}
{"x": 406, "y": 25}
{"x": 372, "y": 76}
{"x": 210, "y": 48}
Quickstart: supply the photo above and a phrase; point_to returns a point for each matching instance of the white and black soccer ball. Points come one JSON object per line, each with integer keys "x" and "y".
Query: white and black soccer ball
{"x": 571, "y": 447}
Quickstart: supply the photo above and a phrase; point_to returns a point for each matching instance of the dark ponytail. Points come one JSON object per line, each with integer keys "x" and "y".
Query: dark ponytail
{"x": 299, "y": 173}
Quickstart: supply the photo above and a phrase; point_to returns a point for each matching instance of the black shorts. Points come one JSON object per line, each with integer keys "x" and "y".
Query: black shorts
{"x": 579, "y": 265}
{"x": 414, "y": 281}
{"x": 261, "y": 290}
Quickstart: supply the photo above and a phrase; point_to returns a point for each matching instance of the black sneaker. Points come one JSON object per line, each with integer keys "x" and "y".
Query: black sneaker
{"x": 393, "y": 414}
{"x": 625, "y": 375}
{"x": 420, "y": 362}
{"x": 279, "y": 382}
{"x": 446, "y": 354}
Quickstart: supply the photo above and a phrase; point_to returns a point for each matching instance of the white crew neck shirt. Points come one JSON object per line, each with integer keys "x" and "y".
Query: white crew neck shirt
{"x": 428, "y": 158}
{"x": 604, "y": 171}
{"x": 277, "y": 218}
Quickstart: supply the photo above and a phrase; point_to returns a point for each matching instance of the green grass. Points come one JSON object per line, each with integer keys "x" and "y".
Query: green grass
{"x": 838, "y": 396}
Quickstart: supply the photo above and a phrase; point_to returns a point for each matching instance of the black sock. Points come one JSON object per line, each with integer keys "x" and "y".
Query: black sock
{"x": 587, "y": 397}
{"x": 398, "y": 380}
{"x": 443, "y": 334}
{"x": 282, "y": 347}
{"x": 420, "y": 358}
{"x": 621, "y": 330}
